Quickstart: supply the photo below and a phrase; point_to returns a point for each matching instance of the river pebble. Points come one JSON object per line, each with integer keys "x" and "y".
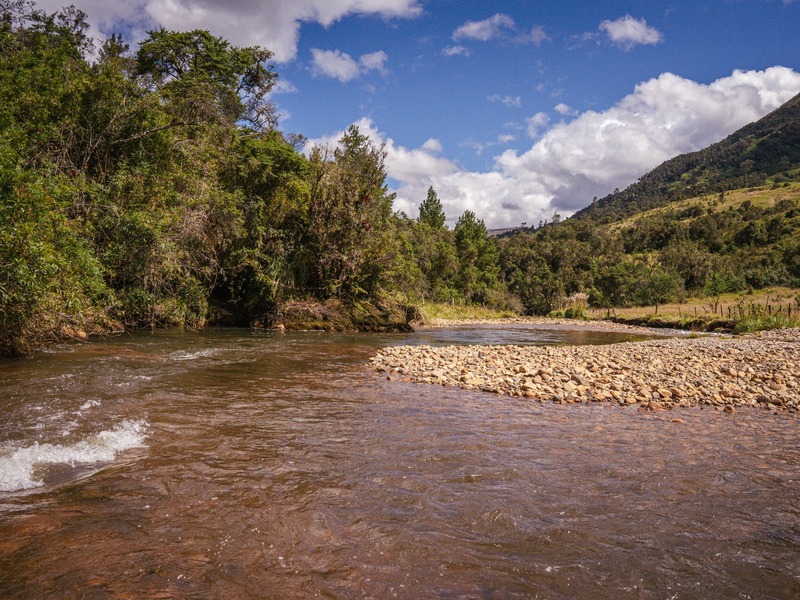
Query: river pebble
{"x": 761, "y": 370}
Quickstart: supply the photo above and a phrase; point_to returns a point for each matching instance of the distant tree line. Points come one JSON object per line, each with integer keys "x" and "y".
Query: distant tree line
{"x": 704, "y": 249}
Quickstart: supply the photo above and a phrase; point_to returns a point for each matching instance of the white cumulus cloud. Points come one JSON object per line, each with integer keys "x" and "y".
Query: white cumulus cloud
{"x": 273, "y": 24}
{"x": 663, "y": 117}
{"x": 375, "y": 61}
{"x": 510, "y": 101}
{"x": 565, "y": 109}
{"x": 340, "y": 65}
{"x": 455, "y": 51}
{"x": 536, "y": 123}
{"x": 628, "y": 32}
{"x": 334, "y": 63}
{"x": 284, "y": 86}
{"x": 483, "y": 31}
{"x": 538, "y": 35}
{"x": 591, "y": 155}
{"x": 433, "y": 145}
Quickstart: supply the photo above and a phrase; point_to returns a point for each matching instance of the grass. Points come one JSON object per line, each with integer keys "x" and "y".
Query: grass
{"x": 431, "y": 311}
{"x": 744, "y": 312}
{"x": 762, "y": 196}
{"x": 755, "y": 323}
{"x": 769, "y": 300}
{"x": 773, "y": 308}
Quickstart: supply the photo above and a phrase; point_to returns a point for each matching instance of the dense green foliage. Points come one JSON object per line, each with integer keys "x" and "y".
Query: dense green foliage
{"x": 702, "y": 247}
{"x": 152, "y": 188}
{"x": 431, "y": 211}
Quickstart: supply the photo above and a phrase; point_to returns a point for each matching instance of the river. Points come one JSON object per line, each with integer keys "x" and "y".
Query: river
{"x": 233, "y": 464}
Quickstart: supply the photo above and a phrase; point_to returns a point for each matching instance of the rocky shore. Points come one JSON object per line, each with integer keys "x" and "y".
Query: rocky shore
{"x": 724, "y": 372}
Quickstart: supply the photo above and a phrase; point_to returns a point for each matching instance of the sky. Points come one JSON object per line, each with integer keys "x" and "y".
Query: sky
{"x": 513, "y": 109}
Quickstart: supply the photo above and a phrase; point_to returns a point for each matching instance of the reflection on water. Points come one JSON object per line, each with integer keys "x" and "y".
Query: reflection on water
{"x": 524, "y": 335}
{"x": 279, "y": 466}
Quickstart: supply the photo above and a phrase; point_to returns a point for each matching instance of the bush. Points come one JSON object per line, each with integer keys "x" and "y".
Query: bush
{"x": 50, "y": 281}
{"x": 575, "y": 313}
{"x": 753, "y": 323}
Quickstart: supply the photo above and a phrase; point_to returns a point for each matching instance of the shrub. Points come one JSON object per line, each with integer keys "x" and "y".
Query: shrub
{"x": 761, "y": 322}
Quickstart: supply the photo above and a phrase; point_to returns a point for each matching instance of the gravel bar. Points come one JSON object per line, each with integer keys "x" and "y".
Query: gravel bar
{"x": 760, "y": 370}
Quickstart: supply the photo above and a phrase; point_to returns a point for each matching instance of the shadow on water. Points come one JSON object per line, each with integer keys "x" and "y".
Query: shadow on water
{"x": 234, "y": 464}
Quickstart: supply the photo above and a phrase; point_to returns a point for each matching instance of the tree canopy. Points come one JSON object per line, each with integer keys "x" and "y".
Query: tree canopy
{"x": 207, "y": 79}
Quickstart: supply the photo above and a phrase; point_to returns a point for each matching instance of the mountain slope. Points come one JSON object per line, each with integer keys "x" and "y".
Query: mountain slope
{"x": 766, "y": 149}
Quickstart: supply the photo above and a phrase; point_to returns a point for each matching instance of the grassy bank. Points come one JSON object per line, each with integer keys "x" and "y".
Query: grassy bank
{"x": 774, "y": 308}
{"x": 431, "y": 311}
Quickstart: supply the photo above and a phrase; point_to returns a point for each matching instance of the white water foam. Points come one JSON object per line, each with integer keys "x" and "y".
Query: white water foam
{"x": 182, "y": 355}
{"x": 89, "y": 404}
{"x": 17, "y": 465}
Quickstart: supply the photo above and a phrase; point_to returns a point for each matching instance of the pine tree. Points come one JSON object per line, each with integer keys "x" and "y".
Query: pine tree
{"x": 431, "y": 212}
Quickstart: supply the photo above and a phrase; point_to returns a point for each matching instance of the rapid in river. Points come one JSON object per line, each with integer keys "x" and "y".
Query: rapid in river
{"x": 236, "y": 464}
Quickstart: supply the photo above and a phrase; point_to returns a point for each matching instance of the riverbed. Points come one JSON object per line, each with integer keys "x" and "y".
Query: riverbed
{"x": 236, "y": 464}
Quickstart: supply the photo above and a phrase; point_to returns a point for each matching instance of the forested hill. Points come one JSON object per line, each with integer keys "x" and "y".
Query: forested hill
{"x": 723, "y": 219}
{"x": 767, "y": 150}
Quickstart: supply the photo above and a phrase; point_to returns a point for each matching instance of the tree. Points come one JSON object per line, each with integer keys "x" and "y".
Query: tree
{"x": 616, "y": 282}
{"x": 659, "y": 287}
{"x": 478, "y": 259}
{"x": 267, "y": 262}
{"x": 687, "y": 259}
{"x": 348, "y": 216}
{"x": 431, "y": 212}
{"x": 51, "y": 281}
{"x": 206, "y": 79}
{"x": 717, "y": 285}
{"x": 435, "y": 253}
{"x": 152, "y": 190}
{"x": 43, "y": 75}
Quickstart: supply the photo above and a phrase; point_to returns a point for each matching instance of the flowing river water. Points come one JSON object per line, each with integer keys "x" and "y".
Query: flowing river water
{"x": 231, "y": 464}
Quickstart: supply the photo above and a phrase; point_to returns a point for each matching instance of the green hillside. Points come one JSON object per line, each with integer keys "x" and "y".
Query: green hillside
{"x": 725, "y": 219}
{"x": 765, "y": 151}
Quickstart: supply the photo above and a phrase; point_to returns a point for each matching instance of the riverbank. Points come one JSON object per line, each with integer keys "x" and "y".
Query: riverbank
{"x": 723, "y": 372}
{"x": 335, "y": 315}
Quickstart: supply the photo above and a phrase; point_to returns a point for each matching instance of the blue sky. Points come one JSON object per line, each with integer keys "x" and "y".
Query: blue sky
{"x": 514, "y": 109}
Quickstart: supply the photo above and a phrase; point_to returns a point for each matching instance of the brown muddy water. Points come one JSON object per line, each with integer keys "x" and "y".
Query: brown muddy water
{"x": 229, "y": 464}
